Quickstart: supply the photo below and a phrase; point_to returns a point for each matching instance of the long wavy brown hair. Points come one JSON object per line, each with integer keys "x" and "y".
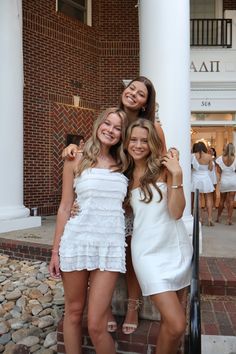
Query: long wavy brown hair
{"x": 92, "y": 147}
{"x": 154, "y": 169}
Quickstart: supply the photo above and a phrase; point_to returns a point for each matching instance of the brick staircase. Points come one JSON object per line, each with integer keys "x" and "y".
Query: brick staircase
{"x": 218, "y": 311}
{"x": 218, "y": 296}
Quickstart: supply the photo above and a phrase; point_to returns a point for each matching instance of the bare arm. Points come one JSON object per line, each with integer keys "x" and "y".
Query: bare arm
{"x": 161, "y": 135}
{"x": 63, "y": 214}
{"x": 219, "y": 171}
{"x": 176, "y": 199}
{"x": 210, "y": 163}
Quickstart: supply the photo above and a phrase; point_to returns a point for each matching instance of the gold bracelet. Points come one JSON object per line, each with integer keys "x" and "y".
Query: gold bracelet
{"x": 177, "y": 186}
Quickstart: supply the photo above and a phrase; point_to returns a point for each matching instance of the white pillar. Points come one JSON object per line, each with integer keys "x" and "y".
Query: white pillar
{"x": 13, "y": 214}
{"x": 164, "y": 58}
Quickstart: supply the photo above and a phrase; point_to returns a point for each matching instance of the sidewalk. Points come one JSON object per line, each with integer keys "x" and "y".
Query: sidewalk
{"x": 217, "y": 241}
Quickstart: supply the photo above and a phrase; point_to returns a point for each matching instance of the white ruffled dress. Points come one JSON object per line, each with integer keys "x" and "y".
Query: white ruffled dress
{"x": 95, "y": 238}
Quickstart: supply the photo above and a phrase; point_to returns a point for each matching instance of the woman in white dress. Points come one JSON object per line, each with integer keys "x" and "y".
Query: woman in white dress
{"x": 226, "y": 165}
{"x": 91, "y": 246}
{"x": 213, "y": 174}
{"x": 160, "y": 245}
{"x": 201, "y": 163}
{"x": 138, "y": 99}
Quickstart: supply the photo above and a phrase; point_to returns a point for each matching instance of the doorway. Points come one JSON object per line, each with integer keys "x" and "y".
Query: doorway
{"x": 216, "y": 137}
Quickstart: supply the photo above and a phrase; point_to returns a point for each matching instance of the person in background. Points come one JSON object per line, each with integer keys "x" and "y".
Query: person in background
{"x": 90, "y": 248}
{"x": 77, "y": 140}
{"x": 213, "y": 174}
{"x": 138, "y": 99}
{"x": 226, "y": 167}
{"x": 160, "y": 246}
{"x": 201, "y": 163}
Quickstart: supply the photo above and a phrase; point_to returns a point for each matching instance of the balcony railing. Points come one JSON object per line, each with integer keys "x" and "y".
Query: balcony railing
{"x": 211, "y": 32}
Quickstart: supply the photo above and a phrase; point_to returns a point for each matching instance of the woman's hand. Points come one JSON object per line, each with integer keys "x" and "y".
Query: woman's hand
{"x": 70, "y": 152}
{"x": 171, "y": 162}
{"x": 174, "y": 152}
{"x": 54, "y": 265}
{"x": 74, "y": 209}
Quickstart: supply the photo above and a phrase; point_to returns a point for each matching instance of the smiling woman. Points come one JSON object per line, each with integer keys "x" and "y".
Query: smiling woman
{"x": 161, "y": 248}
{"x": 91, "y": 246}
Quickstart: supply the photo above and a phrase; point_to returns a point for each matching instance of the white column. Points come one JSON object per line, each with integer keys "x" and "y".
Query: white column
{"x": 13, "y": 214}
{"x": 164, "y": 58}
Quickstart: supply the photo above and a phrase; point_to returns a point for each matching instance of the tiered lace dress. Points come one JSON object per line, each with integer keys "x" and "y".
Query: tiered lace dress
{"x": 228, "y": 176}
{"x": 161, "y": 247}
{"x": 95, "y": 238}
{"x": 201, "y": 177}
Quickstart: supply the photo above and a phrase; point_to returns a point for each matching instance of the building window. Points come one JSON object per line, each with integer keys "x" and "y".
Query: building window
{"x": 78, "y": 9}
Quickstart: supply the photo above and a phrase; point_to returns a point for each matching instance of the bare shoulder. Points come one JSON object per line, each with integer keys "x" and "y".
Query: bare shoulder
{"x": 158, "y": 126}
{"x": 161, "y": 135}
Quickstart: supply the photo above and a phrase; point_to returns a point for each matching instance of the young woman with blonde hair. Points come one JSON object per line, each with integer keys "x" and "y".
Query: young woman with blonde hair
{"x": 90, "y": 247}
{"x": 160, "y": 246}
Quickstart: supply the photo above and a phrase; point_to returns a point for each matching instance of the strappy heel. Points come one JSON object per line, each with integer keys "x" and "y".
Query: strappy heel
{"x": 210, "y": 223}
{"x": 132, "y": 305}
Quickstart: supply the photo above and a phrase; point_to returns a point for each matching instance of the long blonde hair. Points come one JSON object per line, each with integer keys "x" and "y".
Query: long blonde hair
{"x": 92, "y": 147}
{"x": 154, "y": 169}
{"x": 229, "y": 151}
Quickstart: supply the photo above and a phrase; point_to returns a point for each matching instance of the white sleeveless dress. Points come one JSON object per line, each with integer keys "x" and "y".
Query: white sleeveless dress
{"x": 228, "y": 176}
{"x": 200, "y": 177}
{"x": 161, "y": 247}
{"x": 95, "y": 238}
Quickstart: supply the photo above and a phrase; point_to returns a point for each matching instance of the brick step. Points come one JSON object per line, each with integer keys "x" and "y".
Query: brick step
{"x": 218, "y": 315}
{"x": 142, "y": 341}
{"x": 218, "y": 276}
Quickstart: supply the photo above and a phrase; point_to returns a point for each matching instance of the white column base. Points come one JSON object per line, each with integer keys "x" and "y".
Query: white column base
{"x": 19, "y": 223}
{"x": 14, "y": 212}
{"x": 188, "y": 222}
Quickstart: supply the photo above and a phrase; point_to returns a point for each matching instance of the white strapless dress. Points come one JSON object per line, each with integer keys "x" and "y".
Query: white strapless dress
{"x": 161, "y": 247}
{"x": 95, "y": 238}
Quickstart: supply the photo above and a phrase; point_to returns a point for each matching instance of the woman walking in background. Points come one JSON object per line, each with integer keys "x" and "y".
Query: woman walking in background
{"x": 226, "y": 166}
{"x": 201, "y": 165}
{"x": 213, "y": 174}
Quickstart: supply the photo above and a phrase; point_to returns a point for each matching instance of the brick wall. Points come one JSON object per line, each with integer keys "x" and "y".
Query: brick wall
{"x": 63, "y": 57}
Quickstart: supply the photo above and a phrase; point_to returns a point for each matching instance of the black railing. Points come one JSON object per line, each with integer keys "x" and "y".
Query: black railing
{"x": 195, "y": 308}
{"x": 211, "y": 32}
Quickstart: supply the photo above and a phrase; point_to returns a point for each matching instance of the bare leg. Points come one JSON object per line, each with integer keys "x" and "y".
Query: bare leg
{"x": 102, "y": 285}
{"x": 209, "y": 205}
{"x": 230, "y": 206}
{"x": 214, "y": 197}
{"x": 173, "y": 322}
{"x": 134, "y": 294}
{"x": 75, "y": 287}
{"x": 221, "y": 205}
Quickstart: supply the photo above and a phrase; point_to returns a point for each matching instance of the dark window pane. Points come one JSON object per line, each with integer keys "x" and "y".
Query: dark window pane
{"x": 75, "y": 8}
